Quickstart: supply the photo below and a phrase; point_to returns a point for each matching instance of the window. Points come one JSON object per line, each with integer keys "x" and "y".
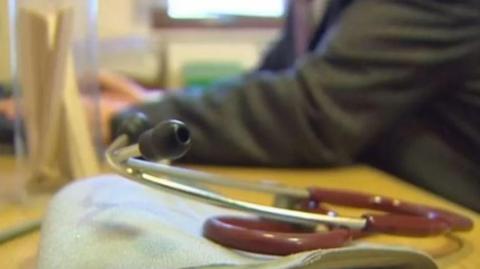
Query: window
{"x": 211, "y": 9}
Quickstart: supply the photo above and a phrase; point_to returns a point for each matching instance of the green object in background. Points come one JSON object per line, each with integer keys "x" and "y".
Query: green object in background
{"x": 203, "y": 74}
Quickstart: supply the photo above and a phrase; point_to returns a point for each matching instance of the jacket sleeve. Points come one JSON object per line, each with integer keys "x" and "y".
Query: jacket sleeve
{"x": 281, "y": 54}
{"x": 379, "y": 63}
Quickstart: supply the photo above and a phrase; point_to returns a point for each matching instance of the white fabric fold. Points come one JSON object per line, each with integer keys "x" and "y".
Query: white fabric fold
{"x": 110, "y": 222}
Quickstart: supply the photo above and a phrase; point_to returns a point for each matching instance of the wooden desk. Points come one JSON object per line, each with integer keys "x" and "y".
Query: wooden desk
{"x": 461, "y": 251}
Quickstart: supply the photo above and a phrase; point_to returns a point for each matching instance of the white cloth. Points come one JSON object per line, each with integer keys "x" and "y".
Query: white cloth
{"x": 110, "y": 222}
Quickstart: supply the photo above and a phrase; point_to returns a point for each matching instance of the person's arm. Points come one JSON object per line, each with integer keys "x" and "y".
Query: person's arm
{"x": 384, "y": 60}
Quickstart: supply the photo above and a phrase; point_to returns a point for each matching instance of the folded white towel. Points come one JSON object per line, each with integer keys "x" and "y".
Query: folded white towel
{"x": 110, "y": 222}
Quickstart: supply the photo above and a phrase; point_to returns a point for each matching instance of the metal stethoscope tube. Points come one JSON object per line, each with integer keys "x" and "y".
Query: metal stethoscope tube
{"x": 122, "y": 158}
{"x": 273, "y": 232}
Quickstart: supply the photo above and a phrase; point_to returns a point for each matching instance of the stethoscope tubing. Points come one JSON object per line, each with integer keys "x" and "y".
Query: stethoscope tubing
{"x": 182, "y": 174}
{"x": 260, "y": 234}
{"x": 144, "y": 172}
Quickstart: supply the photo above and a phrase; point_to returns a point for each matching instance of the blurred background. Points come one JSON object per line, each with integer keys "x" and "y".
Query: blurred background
{"x": 169, "y": 44}
{"x": 166, "y": 42}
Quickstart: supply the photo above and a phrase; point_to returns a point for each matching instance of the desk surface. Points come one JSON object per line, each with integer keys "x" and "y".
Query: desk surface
{"x": 458, "y": 251}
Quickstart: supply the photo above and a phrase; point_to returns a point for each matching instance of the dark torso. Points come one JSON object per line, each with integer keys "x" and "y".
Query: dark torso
{"x": 438, "y": 145}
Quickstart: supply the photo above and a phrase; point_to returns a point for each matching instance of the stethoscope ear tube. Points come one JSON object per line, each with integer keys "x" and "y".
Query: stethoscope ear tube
{"x": 168, "y": 140}
{"x": 141, "y": 171}
{"x": 279, "y": 230}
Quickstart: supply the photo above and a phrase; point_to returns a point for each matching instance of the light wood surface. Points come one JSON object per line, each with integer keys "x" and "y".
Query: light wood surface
{"x": 461, "y": 250}
{"x": 20, "y": 252}
{"x": 458, "y": 251}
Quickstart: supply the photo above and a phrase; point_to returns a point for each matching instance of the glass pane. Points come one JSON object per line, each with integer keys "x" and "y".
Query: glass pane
{"x": 189, "y": 9}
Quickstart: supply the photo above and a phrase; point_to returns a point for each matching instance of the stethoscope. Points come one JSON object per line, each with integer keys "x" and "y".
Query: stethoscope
{"x": 298, "y": 221}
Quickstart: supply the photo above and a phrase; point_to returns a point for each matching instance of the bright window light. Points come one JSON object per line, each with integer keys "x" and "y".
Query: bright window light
{"x": 197, "y": 9}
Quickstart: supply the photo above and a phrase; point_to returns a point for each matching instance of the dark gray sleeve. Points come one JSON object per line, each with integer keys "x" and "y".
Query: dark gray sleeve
{"x": 383, "y": 60}
{"x": 281, "y": 54}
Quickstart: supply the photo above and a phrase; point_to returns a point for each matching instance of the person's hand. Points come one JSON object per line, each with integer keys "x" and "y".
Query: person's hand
{"x": 117, "y": 93}
{"x": 7, "y": 108}
{"x": 118, "y": 87}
